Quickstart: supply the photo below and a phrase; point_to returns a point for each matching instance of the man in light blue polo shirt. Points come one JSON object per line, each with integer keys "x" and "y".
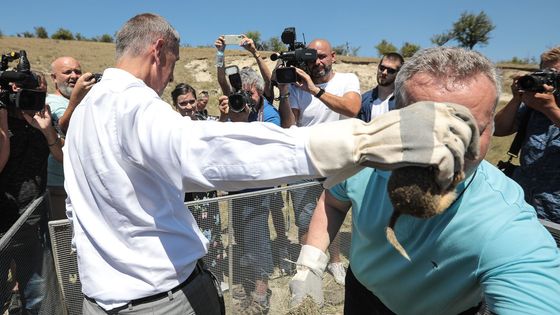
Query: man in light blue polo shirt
{"x": 65, "y": 72}
{"x": 488, "y": 247}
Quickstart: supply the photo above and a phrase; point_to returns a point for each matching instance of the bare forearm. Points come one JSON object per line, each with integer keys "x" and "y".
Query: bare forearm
{"x": 348, "y": 105}
{"x": 326, "y": 221}
{"x": 505, "y": 119}
{"x": 54, "y": 143}
{"x": 266, "y": 75}
{"x": 222, "y": 80}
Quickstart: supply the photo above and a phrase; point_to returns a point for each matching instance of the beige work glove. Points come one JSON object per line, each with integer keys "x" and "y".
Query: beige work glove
{"x": 308, "y": 279}
{"x": 423, "y": 134}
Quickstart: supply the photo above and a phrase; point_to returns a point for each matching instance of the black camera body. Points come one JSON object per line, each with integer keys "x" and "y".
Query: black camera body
{"x": 296, "y": 56}
{"x": 28, "y": 97}
{"x": 97, "y": 76}
{"x": 239, "y": 98}
{"x": 534, "y": 82}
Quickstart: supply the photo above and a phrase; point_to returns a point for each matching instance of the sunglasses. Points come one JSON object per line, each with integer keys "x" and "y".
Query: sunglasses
{"x": 389, "y": 70}
{"x": 183, "y": 103}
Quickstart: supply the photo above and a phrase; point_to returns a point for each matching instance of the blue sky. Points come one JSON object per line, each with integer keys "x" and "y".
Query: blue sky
{"x": 523, "y": 28}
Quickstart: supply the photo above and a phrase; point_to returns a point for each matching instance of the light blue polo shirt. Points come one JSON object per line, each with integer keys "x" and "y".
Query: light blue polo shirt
{"x": 489, "y": 242}
{"x": 55, "y": 171}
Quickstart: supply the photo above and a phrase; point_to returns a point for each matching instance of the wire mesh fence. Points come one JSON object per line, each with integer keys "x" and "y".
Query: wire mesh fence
{"x": 28, "y": 283}
{"x": 253, "y": 245}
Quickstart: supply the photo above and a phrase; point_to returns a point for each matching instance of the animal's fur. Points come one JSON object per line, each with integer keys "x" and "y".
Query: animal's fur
{"x": 414, "y": 191}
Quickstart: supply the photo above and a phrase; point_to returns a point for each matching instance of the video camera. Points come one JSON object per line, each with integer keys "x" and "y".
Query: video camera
{"x": 296, "y": 56}
{"x": 28, "y": 97}
{"x": 534, "y": 82}
{"x": 239, "y": 98}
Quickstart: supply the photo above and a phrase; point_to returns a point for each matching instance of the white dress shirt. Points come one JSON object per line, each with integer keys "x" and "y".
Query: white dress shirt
{"x": 129, "y": 158}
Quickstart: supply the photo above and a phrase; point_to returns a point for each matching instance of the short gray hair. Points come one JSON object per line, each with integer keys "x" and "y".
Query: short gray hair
{"x": 451, "y": 63}
{"x": 143, "y": 30}
{"x": 250, "y": 77}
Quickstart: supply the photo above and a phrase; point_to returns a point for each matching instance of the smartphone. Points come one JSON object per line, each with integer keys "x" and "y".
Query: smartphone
{"x": 233, "y": 39}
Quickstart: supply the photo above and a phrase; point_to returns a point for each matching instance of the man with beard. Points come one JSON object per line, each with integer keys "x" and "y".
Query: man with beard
{"x": 65, "y": 72}
{"x": 380, "y": 99}
{"x": 319, "y": 95}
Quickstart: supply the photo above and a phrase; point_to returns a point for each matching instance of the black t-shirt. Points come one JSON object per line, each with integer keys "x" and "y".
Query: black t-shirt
{"x": 24, "y": 177}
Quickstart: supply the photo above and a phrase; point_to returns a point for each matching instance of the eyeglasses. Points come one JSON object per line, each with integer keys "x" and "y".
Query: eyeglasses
{"x": 185, "y": 102}
{"x": 389, "y": 70}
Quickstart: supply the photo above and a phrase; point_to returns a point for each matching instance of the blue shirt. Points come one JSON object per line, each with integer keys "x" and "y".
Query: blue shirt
{"x": 488, "y": 242}
{"x": 58, "y": 105}
{"x": 539, "y": 173}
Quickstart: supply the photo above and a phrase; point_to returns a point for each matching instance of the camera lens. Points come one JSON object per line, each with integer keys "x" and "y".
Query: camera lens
{"x": 236, "y": 103}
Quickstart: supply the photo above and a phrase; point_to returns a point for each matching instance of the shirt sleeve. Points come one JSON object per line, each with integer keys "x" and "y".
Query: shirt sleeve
{"x": 203, "y": 155}
{"x": 339, "y": 191}
{"x": 520, "y": 269}
{"x": 353, "y": 84}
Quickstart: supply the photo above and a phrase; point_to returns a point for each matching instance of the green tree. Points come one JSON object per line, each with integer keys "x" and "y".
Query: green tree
{"x": 63, "y": 34}
{"x": 468, "y": 31}
{"x": 106, "y": 38}
{"x": 409, "y": 49}
{"x": 256, "y": 37}
{"x": 274, "y": 44}
{"x": 41, "y": 32}
{"x": 441, "y": 39}
{"x": 472, "y": 29}
{"x": 385, "y": 47}
{"x": 79, "y": 36}
{"x": 28, "y": 35}
{"x": 1, "y": 34}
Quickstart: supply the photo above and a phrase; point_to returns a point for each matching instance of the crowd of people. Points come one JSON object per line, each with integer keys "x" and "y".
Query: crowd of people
{"x": 120, "y": 163}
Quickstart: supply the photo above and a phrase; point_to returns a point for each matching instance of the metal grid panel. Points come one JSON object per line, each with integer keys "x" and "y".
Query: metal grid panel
{"x": 26, "y": 263}
{"x": 254, "y": 252}
{"x": 66, "y": 266}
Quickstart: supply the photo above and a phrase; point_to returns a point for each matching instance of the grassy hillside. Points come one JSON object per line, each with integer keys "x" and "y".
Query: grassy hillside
{"x": 196, "y": 68}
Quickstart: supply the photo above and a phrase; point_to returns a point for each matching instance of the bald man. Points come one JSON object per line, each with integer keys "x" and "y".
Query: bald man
{"x": 319, "y": 95}
{"x": 65, "y": 72}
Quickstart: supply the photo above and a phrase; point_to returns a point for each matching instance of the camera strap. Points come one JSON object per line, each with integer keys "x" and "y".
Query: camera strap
{"x": 520, "y": 135}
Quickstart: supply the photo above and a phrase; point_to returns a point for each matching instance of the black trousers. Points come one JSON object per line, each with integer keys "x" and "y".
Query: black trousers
{"x": 359, "y": 300}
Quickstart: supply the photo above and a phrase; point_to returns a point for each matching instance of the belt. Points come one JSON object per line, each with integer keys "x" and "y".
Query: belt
{"x": 198, "y": 269}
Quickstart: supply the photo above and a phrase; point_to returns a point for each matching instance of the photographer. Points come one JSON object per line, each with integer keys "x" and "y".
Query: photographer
{"x": 250, "y": 225}
{"x": 65, "y": 73}
{"x": 319, "y": 95}
{"x": 23, "y": 179}
{"x": 249, "y": 45}
{"x": 539, "y": 171}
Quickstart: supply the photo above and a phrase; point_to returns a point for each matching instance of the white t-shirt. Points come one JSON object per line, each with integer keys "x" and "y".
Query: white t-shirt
{"x": 311, "y": 110}
{"x": 379, "y": 107}
{"x": 128, "y": 160}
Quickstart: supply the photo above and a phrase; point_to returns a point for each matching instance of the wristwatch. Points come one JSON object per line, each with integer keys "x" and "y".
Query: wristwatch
{"x": 321, "y": 92}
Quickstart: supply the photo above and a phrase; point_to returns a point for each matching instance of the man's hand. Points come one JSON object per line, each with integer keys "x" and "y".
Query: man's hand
{"x": 542, "y": 102}
{"x": 308, "y": 279}
{"x": 41, "y": 120}
{"x": 82, "y": 87}
{"x": 220, "y": 43}
{"x": 305, "y": 82}
{"x": 248, "y": 44}
{"x": 425, "y": 134}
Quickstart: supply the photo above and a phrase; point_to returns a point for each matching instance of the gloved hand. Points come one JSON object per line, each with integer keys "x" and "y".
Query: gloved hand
{"x": 308, "y": 279}
{"x": 423, "y": 134}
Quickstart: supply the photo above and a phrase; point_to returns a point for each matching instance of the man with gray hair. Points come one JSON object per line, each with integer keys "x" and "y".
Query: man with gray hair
{"x": 129, "y": 158}
{"x": 485, "y": 246}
